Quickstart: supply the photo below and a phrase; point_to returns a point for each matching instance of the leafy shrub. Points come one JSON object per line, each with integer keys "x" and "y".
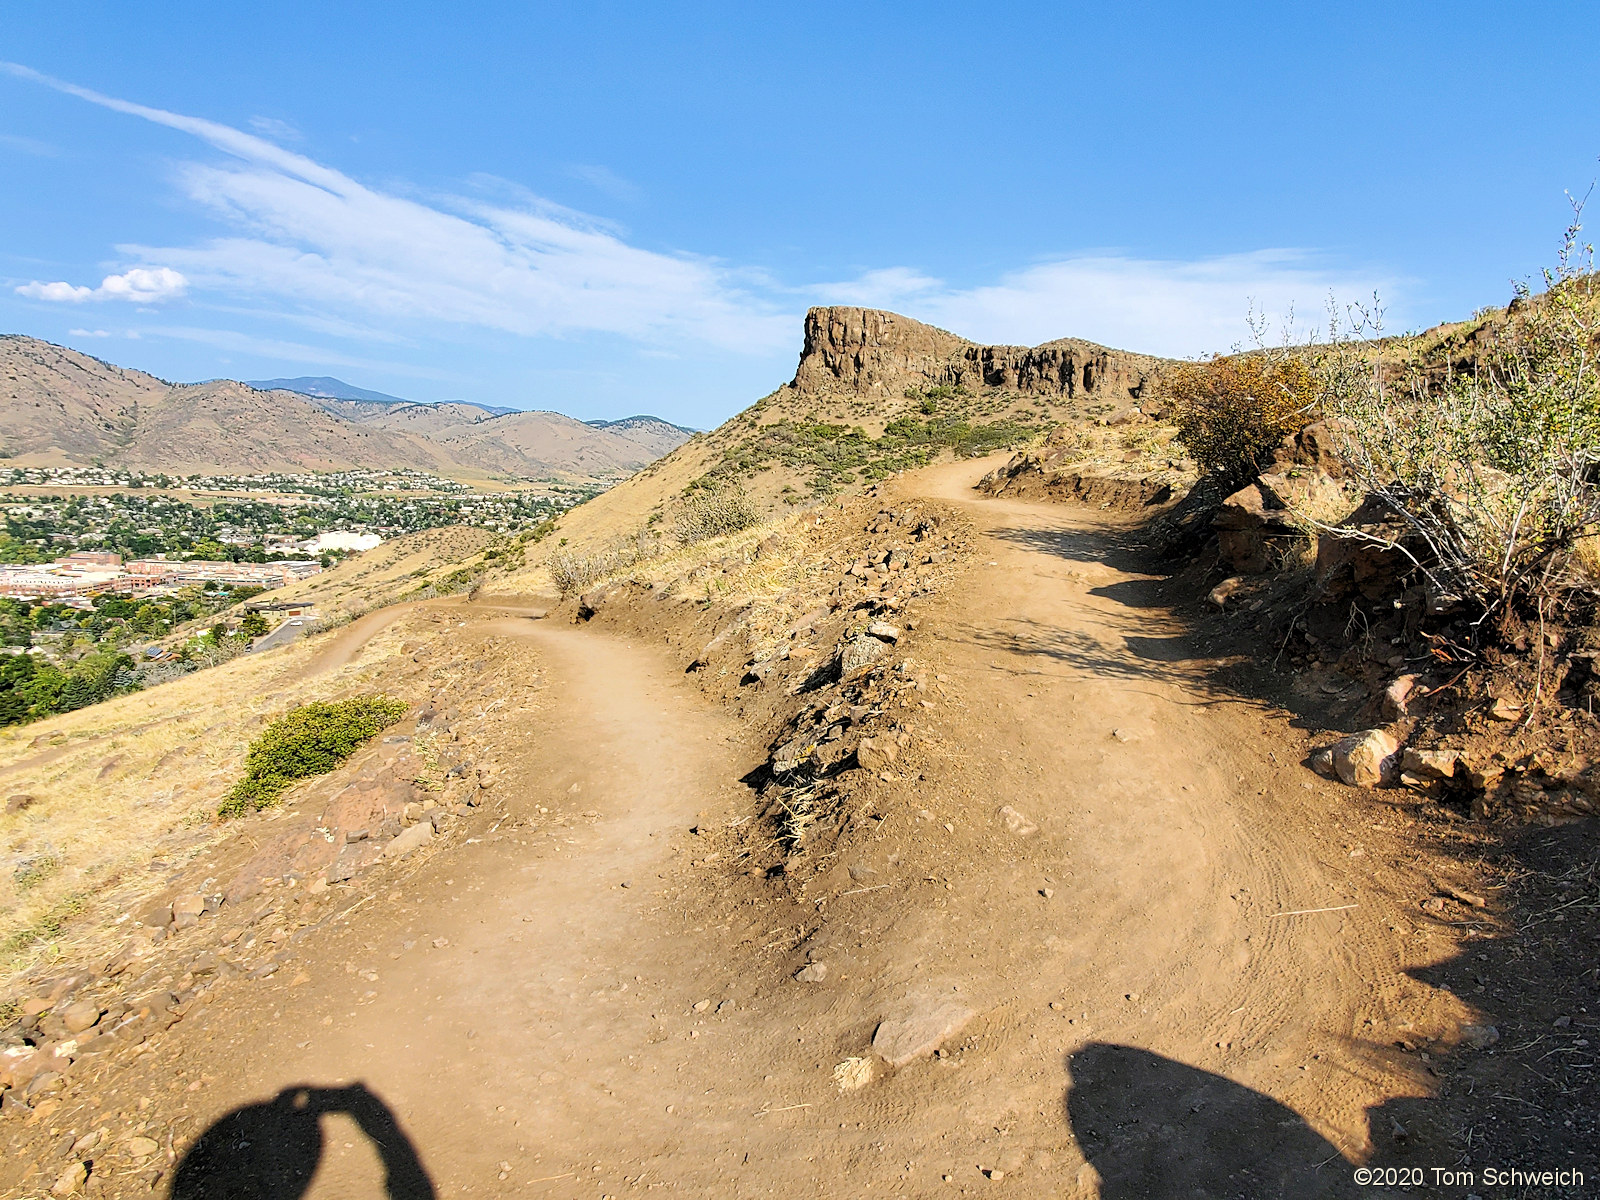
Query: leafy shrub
{"x": 1492, "y": 470}
{"x": 1231, "y": 410}
{"x": 710, "y": 514}
{"x": 309, "y": 740}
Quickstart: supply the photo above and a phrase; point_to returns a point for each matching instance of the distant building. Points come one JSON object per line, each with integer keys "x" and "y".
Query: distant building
{"x": 342, "y": 540}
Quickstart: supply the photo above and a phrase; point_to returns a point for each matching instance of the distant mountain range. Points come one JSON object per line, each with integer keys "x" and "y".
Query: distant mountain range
{"x": 60, "y": 407}
{"x": 326, "y": 387}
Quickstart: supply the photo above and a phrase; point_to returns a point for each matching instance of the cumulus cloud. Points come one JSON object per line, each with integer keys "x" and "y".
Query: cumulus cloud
{"x": 142, "y": 285}
{"x": 1172, "y": 307}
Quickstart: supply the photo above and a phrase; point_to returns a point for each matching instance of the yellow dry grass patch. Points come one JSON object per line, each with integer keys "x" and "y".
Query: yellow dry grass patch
{"x": 138, "y": 777}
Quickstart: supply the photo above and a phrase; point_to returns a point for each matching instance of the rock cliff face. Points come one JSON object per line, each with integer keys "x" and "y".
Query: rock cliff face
{"x": 867, "y": 350}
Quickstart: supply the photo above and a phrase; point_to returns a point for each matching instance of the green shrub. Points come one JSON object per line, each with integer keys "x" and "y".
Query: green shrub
{"x": 309, "y": 740}
{"x": 1494, "y": 470}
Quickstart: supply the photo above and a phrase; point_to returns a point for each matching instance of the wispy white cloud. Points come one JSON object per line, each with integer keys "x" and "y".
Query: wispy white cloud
{"x": 306, "y": 244}
{"x": 273, "y": 128}
{"x": 281, "y": 350}
{"x": 91, "y": 333}
{"x": 28, "y": 145}
{"x": 1158, "y": 306}
{"x": 605, "y": 181}
{"x": 142, "y": 285}
{"x": 312, "y": 238}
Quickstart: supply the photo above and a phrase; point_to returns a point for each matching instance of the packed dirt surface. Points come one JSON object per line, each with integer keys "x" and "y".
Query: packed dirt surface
{"x": 1109, "y": 938}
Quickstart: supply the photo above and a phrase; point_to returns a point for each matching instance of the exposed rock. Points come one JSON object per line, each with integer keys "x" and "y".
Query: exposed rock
{"x": 18, "y": 803}
{"x": 877, "y": 754}
{"x": 81, "y": 1016}
{"x": 70, "y": 1182}
{"x": 410, "y": 840}
{"x": 1479, "y": 1037}
{"x": 1371, "y": 562}
{"x": 868, "y": 350}
{"x": 1016, "y": 823}
{"x": 884, "y": 631}
{"x": 1397, "y": 697}
{"x": 919, "y": 1031}
{"x": 1366, "y": 759}
{"x": 1314, "y": 446}
{"x": 1224, "y": 591}
{"x": 1254, "y": 523}
{"x": 812, "y": 973}
{"x": 1430, "y": 764}
{"x": 859, "y": 652}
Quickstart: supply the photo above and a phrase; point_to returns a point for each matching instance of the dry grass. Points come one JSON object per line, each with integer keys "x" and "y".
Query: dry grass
{"x": 136, "y": 778}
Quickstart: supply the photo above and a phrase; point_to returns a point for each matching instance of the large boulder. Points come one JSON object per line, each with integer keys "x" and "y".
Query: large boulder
{"x": 1256, "y": 522}
{"x": 1373, "y": 559}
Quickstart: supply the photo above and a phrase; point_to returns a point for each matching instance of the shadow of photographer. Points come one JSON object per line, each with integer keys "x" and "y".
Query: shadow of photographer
{"x": 270, "y": 1150}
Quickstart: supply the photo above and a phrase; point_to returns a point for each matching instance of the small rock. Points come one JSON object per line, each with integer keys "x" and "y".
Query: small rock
{"x": 1397, "y": 696}
{"x": 701, "y": 1005}
{"x": 410, "y": 840}
{"x": 1322, "y": 763}
{"x": 884, "y": 631}
{"x": 1506, "y": 710}
{"x": 1366, "y": 759}
{"x": 1223, "y": 592}
{"x": 860, "y": 652}
{"x": 877, "y": 754}
{"x": 141, "y": 1147}
{"x": 1479, "y": 1037}
{"x": 1563, "y": 1022}
{"x": 1016, "y": 822}
{"x": 70, "y": 1182}
{"x": 1047, "y": 892}
{"x": 18, "y": 803}
{"x": 1430, "y": 764}
{"x": 87, "y": 1142}
{"x": 81, "y": 1016}
{"x": 193, "y": 905}
{"x": 902, "y": 1039}
{"x": 812, "y": 973}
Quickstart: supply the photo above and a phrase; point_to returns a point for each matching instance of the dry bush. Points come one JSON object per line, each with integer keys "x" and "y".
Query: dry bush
{"x": 571, "y": 571}
{"x": 1231, "y": 410}
{"x": 705, "y": 515}
{"x": 1494, "y": 471}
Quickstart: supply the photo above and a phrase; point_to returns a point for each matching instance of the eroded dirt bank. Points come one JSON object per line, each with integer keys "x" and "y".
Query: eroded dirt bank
{"x": 1118, "y": 939}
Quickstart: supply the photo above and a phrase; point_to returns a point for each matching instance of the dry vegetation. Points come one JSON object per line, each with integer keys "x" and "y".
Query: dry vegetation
{"x": 138, "y": 780}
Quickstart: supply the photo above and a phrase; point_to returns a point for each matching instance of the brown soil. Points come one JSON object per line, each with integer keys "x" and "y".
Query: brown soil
{"x": 1203, "y": 972}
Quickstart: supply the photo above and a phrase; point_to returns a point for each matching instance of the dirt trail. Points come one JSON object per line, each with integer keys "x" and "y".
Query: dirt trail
{"x": 568, "y": 1006}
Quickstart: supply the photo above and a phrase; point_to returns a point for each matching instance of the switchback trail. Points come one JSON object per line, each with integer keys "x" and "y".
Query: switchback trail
{"x": 571, "y": 1004}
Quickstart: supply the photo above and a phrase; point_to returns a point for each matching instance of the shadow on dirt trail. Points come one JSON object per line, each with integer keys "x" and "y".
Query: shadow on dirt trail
{"x": 1154, "y": 1128}
{"x": 271, "y": 1150}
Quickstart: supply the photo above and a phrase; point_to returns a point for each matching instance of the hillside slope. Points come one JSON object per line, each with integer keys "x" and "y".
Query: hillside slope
{"x": 60, "y": 407}
{"x": 875, "y": 392}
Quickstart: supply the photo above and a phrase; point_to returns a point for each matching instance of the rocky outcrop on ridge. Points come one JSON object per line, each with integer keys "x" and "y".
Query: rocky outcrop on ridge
{"x": 867, "y": 350}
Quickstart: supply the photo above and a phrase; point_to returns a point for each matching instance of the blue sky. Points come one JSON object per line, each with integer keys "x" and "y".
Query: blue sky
{"x": 615, "y": 208}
